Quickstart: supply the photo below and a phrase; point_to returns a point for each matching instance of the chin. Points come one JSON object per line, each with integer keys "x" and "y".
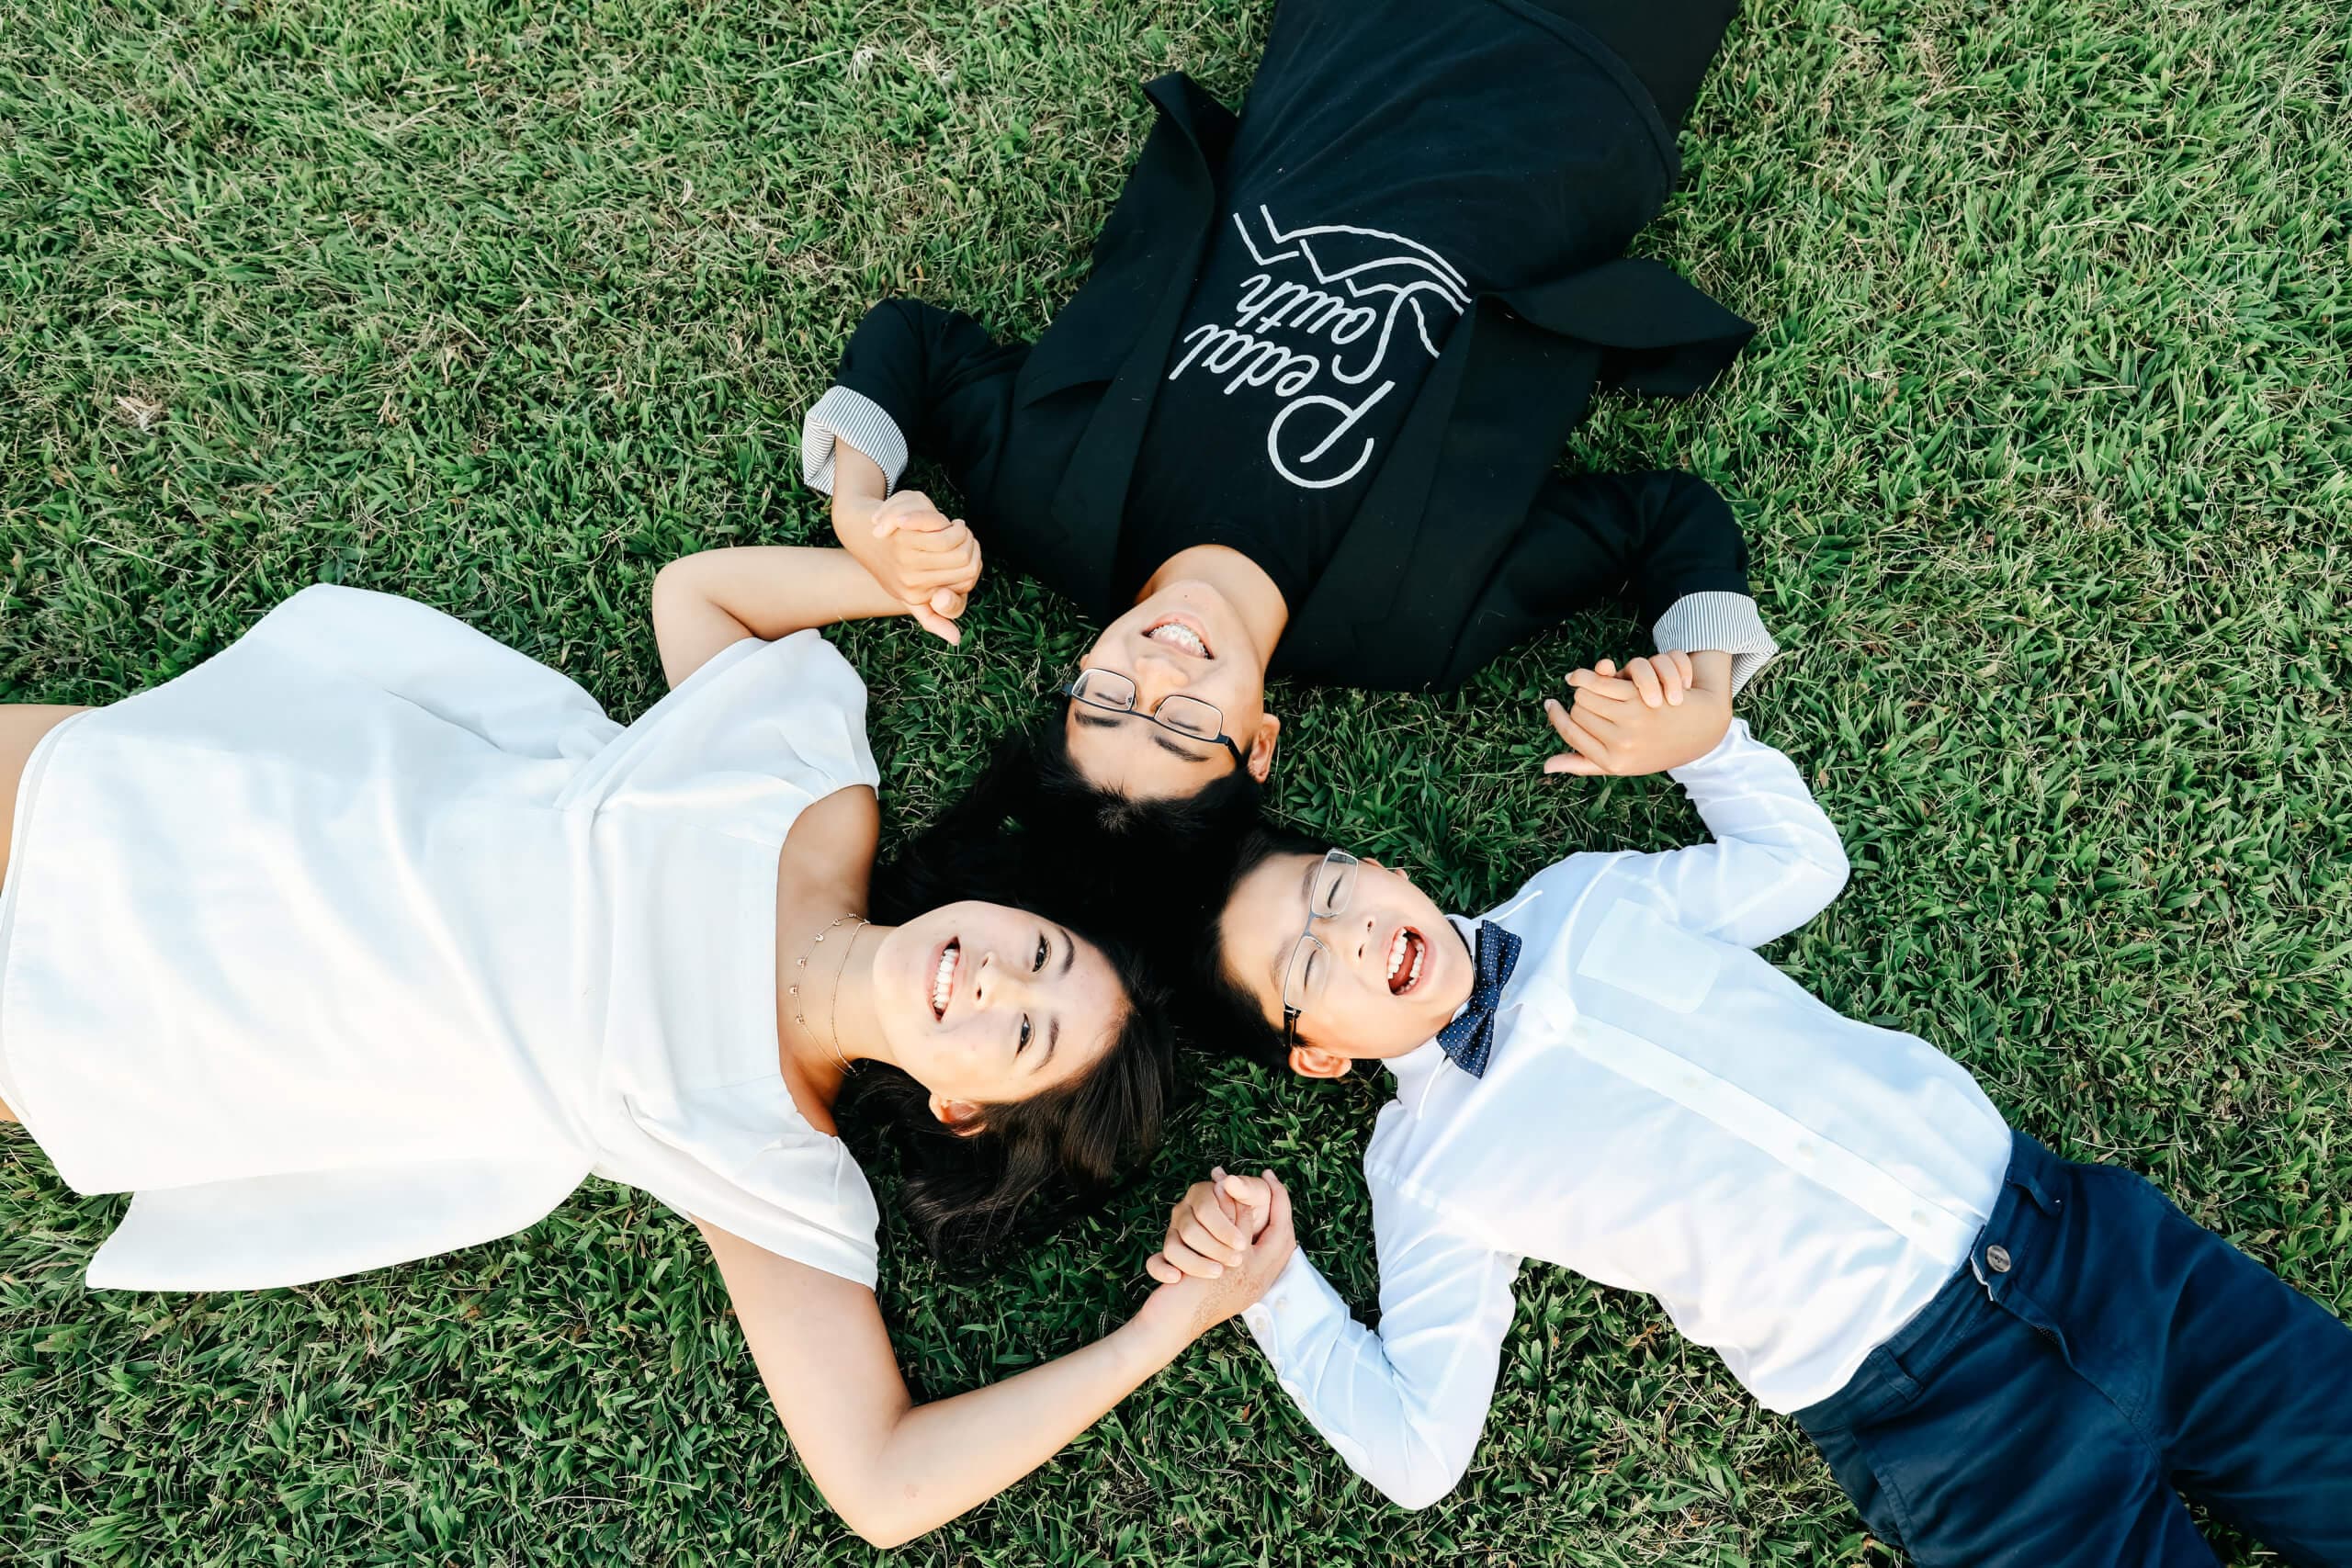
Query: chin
{"x": 1189, "y": 597}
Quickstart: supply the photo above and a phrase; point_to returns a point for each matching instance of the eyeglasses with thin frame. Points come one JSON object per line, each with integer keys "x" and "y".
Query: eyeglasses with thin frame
{"x": 1328, "y": 890}
{"x": 1176, "y": 712}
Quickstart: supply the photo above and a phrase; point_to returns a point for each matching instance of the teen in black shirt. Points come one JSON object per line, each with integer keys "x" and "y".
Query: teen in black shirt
{"x": 1302, "y": 417}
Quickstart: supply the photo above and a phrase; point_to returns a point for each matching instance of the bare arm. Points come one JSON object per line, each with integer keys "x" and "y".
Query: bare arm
{"x": 893, "y": 1469}
{"x": 708, "y": 601}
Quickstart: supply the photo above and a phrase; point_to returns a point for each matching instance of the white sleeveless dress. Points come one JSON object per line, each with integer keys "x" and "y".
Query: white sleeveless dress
{"x": 370, "y": 937}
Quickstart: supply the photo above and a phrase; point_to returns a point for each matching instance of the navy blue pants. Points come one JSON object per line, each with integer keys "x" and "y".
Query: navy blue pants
{"x": 2100, "y": 1355}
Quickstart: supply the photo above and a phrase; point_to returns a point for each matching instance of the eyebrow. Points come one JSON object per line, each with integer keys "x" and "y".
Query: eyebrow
{"x": 1159, "y": 738}
{"x": 1053, "y": 1024}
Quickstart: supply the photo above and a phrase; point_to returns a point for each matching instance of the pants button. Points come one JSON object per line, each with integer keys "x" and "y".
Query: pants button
{"x": 1997, "y": 1258}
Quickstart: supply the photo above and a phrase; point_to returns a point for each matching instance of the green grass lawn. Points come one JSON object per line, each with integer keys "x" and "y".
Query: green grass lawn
{"x": 2044, "y": 451}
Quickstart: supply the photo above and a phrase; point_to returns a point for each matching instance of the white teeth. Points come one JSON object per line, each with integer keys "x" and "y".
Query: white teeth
{"x": 943, "y": 983}
{"x": 1178, "y": 635}
{"x": 1404, "y": 944}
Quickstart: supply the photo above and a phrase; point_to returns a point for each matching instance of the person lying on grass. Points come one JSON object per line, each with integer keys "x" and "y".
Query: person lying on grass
{"x": 2006, "y": 1359}
{"x": 1302, "y": 417}
{"x": 369, "y": 937}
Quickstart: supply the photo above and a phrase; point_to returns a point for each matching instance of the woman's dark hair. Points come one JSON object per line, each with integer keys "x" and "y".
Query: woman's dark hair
{"x": 1219, "y": 1011}
{"x": 1147, "y": 875}
{"x": 963, "y": 1191}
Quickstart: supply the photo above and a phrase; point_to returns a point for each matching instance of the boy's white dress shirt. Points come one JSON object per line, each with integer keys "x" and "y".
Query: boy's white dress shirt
{"x": 1664, "y": 1112}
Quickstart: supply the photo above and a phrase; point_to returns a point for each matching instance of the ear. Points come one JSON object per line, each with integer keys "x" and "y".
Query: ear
{"x": 960, "y": 1117}
{"x": 1262, "y": 748}
{"x": 1314, "y": 1062}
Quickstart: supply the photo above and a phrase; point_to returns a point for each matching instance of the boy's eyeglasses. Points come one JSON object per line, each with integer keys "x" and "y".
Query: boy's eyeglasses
{"x": 1176, "y": 712}
{"x": 1333, "y": 883}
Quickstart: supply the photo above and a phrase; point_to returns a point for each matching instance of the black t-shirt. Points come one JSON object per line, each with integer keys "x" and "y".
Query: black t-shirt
{"x": 1395, "y": 160}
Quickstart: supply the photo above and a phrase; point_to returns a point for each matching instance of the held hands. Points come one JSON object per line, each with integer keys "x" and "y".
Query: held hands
{"x": 1228, "y": 1238}
{"x": 1658, "y": 713}
{"x": 921, "y": 558}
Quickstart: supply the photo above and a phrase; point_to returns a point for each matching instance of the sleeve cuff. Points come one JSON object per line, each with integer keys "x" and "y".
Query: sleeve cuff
{"x": 1736, "y": 740}
{"x": 1298, "y": 1296}
{"x": 1715, "y": 622}
{"x": 844, "y": 415}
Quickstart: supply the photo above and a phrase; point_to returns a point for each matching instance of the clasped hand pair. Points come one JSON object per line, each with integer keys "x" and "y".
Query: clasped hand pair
{"x": 1228, "y": 1238}
{"x": 1654, "y": 714}
{"x": 928, "y": 562}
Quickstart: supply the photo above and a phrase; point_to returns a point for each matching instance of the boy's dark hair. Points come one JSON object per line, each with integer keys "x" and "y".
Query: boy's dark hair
{"x": 964, "y": 1191}
{"x": 1219, "y": 1012}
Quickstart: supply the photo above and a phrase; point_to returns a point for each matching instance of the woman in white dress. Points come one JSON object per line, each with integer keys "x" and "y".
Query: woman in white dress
{"x": 370, "y": 937}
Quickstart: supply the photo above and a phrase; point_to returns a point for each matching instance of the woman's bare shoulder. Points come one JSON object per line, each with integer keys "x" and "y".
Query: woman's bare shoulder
{"x": 831, "y": 846}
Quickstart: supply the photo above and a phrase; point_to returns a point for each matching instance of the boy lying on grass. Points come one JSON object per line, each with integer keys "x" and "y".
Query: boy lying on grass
{"x": 2005, "y": 1358}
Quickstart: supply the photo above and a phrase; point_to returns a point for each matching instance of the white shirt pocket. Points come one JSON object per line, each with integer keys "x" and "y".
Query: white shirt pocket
{"x": 1640, "y": 952}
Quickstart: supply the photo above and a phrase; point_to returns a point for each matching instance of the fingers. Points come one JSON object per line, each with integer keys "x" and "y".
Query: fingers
{"x": 1160, "y": 1268}
{"x": 926, "y": 582}
{"x": 958, "y": 569}
{"x": 1248, "y": 1191}
{"x": 1671, "y": 678}
{"x": 1196, "y": 1234}
{"x": 950, "y": 539}
{"x": 1219, "y": 1227}
{"x": 1661, "y": 681}
{"x": 1190, "y": 1262}
{"x": 1581, "y": 738}
{"x": 937, "y": 625}
{"x": 1278, "y": 1218}
{"x": 909, "y": 511}
{"x": 1614, "y": 689}
{"x": 1669, "y": 673}
{"x": 1226, "y": 1206}
{"x": 1646, "y": 681}
{"x": 1569, "y": 762}
{"x": 1596, "y": 723}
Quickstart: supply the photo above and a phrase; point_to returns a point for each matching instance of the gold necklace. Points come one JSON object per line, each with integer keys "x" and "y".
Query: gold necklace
{"x": 833, "y": 1003}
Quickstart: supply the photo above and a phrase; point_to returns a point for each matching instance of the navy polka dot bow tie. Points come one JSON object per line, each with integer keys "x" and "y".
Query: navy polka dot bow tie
{"x": 1469, "y": 1040}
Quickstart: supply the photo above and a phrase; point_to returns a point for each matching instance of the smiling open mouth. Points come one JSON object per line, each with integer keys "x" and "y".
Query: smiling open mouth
{"x": 1180, "y": 634}
{"x": 1406, "y": 955}
{"x": 942, "y": 979}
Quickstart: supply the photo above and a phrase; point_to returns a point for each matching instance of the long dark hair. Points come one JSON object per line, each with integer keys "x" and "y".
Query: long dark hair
{"x": 965, "y": 1191}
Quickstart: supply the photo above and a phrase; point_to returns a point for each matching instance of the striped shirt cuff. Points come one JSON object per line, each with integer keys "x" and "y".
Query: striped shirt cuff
{"x": 843, "y": 415}
{"x": 1718, "y": 623}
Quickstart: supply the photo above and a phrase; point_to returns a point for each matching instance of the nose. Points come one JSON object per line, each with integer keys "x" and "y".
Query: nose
{"x": 1363, "y": 933}
{"x": 1158, "y": 672}
{"x": 998, "y": 985}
